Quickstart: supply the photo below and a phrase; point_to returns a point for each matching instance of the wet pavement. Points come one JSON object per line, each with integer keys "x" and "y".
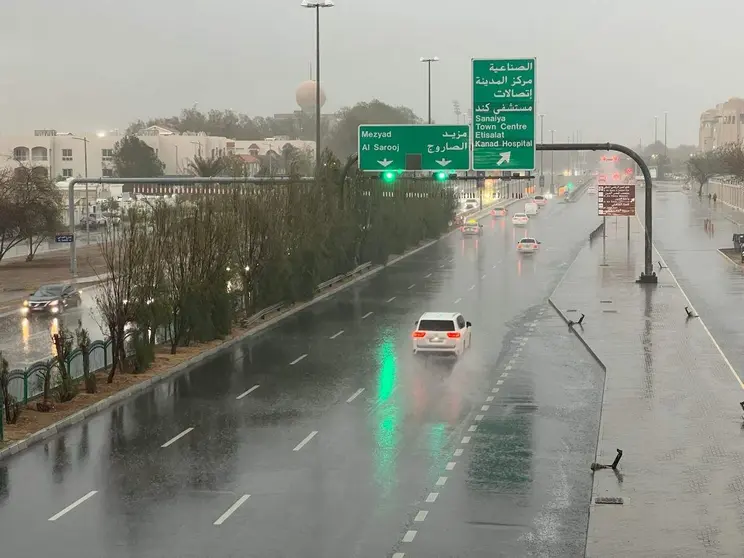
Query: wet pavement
{"x": 324, "y": 437}
{"x": 670, "y": 402}
{"x": 25, "y": 340}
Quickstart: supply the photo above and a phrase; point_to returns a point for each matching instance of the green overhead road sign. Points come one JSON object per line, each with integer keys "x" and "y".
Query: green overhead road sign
{"x": 415, "y": 147}
{"x": 503, "y": 114}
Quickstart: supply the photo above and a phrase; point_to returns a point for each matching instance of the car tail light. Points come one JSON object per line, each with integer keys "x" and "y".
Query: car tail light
{"x": 519, "y": 245}
{"x": 453, "y": 334}
{"x": 419, "y": 334}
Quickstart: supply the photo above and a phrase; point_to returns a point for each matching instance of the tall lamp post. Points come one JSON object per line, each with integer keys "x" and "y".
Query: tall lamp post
{"x": 85, "y": 171}
{"x": 428, "y": 62}
{"x": 317, "y": 5}
{"x": 552, "y": 164}
{"x": 542, "y": 140}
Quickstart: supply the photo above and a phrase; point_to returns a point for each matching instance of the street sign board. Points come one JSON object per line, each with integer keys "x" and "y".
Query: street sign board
{"x": 63, "y": 237}
{"x": 503, "y": 113}
{"x": 424, "y": 147}
{"x": 616, "y": 200}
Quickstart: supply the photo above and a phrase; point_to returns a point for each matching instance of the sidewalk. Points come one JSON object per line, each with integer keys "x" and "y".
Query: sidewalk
{"x": 670, "y": 403}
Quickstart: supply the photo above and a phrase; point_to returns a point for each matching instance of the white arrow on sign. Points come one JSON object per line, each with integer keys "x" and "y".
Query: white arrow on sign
{"x": 444, "y": 162}
{"x": 385, "y": 162}
{"x": 505, "y": 158}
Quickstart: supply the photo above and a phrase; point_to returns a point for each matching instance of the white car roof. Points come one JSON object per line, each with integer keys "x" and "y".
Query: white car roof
{"x": 439, "y": 316}
{"x": 520, "y": 215}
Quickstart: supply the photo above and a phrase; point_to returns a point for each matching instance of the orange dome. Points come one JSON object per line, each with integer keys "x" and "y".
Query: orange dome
{"x": 306, "y": 96}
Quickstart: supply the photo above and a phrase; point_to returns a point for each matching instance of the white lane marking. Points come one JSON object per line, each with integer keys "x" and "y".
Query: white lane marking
{"x": 494, "y": 267}
{"x": 495, "y": 390}
{"x": 409, "y": 288}
{"x": 74, "y": 505}
{"x": 478, "y": 418}
{"x": 420, "y": 516}
{"x": 298, "y": 359}
{"x": 441, "y": 481}
{"x": 427, "y": 276}
{"x": 485, "y": 407}
{"x": 355, "y": 395}
{"x": 450, "y": 465}
{"x": 254, "y": 388}
{"x": 178, "y": 437}
{"x": 471, "y": 288}
{"x": 473, "y": 428}
{"x": 699, "y": 320}
{"x": 441, "y": 265}
{"x": 499, "y": 382}
{"x": 512, "y": 361}
{"x": 409, "y": 536}
{"x": 309, "y": 437}
{"x": 483, "y": 276}
{"x": 489, "y": 398}
{"x": 367, "y": 315}
{"x": 432, "y": 497}
{"x": 339, "y": 332}
{"x": 458, "y": 452}
{"x": 232, "y": 509}
{"x": 399, "y": 555}
{"x": 391, "y": 299}
{"x": 458, "y": 300}
{"x": 505, "y": 374}
{"x": 507, "y": 367}
{"x": 519, "y": 350}
{"x": 523, "y": 343}
{"x": 465, "y": 440}
{"x": 452, "y": 260}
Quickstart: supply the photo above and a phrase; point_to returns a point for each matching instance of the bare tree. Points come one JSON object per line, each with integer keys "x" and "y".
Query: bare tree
{"x": 83, "y": 344}
{"x": 63, "y": 341}
{"x": 704, "y": 166}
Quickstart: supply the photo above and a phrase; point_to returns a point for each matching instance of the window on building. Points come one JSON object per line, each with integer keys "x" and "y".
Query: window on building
{"x": 67, "y": 154}
{"x": 67, "y": 173}
{"x": 108, "y": 172}
{"x": 107, "y": 155}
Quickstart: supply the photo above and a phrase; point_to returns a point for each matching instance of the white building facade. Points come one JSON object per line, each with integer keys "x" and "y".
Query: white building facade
{"x": 66, "y": 155}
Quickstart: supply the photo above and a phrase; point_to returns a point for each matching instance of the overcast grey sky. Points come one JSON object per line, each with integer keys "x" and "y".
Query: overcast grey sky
{"x": 605, "y": 68}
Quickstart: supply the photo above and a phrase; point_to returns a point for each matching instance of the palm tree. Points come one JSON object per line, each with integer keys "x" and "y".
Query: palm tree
{"x": 206, "y": 166}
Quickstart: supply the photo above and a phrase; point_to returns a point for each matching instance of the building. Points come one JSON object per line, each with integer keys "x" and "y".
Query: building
{"x": 67, "y": 155}
{"x": 722, "y": 124}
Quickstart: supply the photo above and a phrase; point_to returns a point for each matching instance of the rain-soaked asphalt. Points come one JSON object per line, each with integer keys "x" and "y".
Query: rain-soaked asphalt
{"x": 713, "y": 283}
{"x": 325, "y": 437}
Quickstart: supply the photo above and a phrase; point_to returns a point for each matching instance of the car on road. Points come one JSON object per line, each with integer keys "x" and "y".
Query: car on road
{"x": 472, "y": 228}
{"x": 531, "y": 208}
{"x": 540, "y": 200}
{"x": 498, "y": 212}
{"x": 520, "y": 219}
{"x": 51, "y": 299}
{"x": 470, "y": 204}
{"x": 528, "y": 246}
{"x": 441, "y": 333}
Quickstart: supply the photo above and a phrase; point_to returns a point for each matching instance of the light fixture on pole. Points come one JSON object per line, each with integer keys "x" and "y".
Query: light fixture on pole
{"x": 428, "y": 62}
{"x": 317, "y": 5}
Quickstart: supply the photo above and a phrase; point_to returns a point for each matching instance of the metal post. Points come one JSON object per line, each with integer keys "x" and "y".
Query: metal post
{"x": 604, "y": 240}
{"x": 87, "y": 202}
{"x": 552, "y": 164}
{"x": 628, "y": 230}
{"x": 317, "y": 91}
{"x": 656, "y": 128}
{"x": 429, "y": 65}
{"x": 666, "y": 151}
{"x": 542, "y": 140}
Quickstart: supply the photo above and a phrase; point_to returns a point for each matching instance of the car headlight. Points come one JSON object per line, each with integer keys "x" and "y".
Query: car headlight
{"x": 54, "y": 303}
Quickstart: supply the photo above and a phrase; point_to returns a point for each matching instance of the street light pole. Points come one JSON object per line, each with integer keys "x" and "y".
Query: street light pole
{"x": 656, "y": 129}
{"x": 428, "y": 62}
{"x": 666, "y": 114}
{"x": 542, "y": 140}
{"x": 317, "y": 5}
{"x": 552, "y": 164}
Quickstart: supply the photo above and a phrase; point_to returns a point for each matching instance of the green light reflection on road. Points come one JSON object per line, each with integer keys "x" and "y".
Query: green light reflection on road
{"x": 387, "y": 415}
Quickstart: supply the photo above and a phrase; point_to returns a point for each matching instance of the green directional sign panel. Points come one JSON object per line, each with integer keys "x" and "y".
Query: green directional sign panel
{"x": 503, "y": 114}
{"x": 424, "y": 147}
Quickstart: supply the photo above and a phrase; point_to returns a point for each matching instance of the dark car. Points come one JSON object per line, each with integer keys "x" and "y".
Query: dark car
{"x": 51, "y": 299}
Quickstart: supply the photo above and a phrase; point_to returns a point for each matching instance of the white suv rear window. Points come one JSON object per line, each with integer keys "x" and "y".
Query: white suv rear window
{"x": 437, "y": 325}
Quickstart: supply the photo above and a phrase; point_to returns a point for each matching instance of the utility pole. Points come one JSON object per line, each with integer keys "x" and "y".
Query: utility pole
{"x": 428, "y": 62}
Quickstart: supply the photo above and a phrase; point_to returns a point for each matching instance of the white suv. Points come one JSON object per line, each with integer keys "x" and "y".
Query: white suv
{"x": 443, "y": 333}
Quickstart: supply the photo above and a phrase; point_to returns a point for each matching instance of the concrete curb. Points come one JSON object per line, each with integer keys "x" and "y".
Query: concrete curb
{"x": 187, "y": 365}
{"x": 577, "y": 334}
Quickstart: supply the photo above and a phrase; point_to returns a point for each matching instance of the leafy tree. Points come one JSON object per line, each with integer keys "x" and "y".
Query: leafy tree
{"x": 704, "y": 166}
{"x": 82, "y": 339}
{"x": 12, "y": 407}
{"x": 732, "y": 159}
{"x": 63, "y": 343}
{"x": 343, "y": 140}
{"x": 206, "y": 166}
{"x": 133, "y": 158}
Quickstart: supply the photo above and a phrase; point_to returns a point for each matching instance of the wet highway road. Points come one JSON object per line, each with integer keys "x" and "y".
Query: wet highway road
{"x": 713, "y": 283}
{"x": 325, "y": 437}
{"x": 24, "y": 341}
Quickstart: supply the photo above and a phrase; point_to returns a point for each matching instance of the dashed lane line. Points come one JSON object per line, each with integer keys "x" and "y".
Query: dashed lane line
{"x": 489, "y": 398}
{"x": 485, "y": 407}
{"x": 507, "y": 367}
{"x": 399, "y": 555}
{"x": 458, "y": 300}
{"x": 74, "y": 505}
{"x": 232, "y": 509}
{"x": 391, "y": 299}
{"x": 177, "y": 437}
{"x": 504, "y": 374}
{"x": 471, "y": 287}
{"x": 432, "y": 497}
{"x": 427, "y": 276}
{"x": 421, "y": 516}
{"x": 479, "y": 418}
{"x": 483, "y": 276}
{"x": 298, "y": 359}
{"x": 356, "y": 394}
{"x": 451, "y": 465}
{"x": 304, "y": 442}
{"x": 248, "y": 392}
{"x": 499, "y": 382}
{"x": 458, "y": 452}
{"x": 340, "y": 332}
{"x": 495, "y": 390}
{"x": 367, "y": 315}
{"x": 465, "y": 440}
{"x": 411, "y": 286}
{"x": 472, "y": 428}
{"x": 409, "y": 536}
{"x": 441, "y": 481}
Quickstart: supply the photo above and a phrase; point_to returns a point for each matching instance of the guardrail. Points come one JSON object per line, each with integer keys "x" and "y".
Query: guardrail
{"x": 596, "y": 232}
{"x": 27, "y": 384}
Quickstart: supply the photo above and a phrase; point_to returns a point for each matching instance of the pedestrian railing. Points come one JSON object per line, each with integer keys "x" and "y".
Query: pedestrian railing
{"x": 596, "y": 232}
